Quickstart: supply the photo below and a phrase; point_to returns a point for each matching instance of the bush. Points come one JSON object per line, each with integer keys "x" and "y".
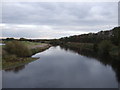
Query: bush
{"x": 17, "y": 48}
{"x": 119, "y": 50}
{"x": 10, "y": 58}
{"x": 95, "y": 47}
{"x": 104, "y": 47}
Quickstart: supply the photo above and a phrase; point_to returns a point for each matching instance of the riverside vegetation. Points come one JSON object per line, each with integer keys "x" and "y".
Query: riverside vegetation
{"x": 104, "y": 46}
{"x": 103, "y": 43}
{"x": 16, "y": 53}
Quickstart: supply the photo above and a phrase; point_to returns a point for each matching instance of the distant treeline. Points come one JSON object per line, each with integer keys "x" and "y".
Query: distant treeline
{"x": 102, "y": 43}
{"x": 25, "y": 39}
{"x": 111, "y": 35}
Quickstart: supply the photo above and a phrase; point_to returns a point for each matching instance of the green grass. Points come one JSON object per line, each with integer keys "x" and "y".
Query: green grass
{"x": 31, "y": 43}
{"x": 23, "y": 61}
{"x": 1, "y": 41}
{"x": 11, "y": 61}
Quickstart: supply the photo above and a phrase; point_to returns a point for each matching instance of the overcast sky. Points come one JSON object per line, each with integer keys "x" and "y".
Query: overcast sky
{"x": 55, "y": 20}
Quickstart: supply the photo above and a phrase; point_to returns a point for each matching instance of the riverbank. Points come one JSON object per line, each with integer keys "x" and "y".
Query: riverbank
{"x": 97, "y": 49}
{"x": 80, "y": 46}
{"x": 10, "y": 61}
{"x": 68, "y": 66}
{"x": 19, "y": 62}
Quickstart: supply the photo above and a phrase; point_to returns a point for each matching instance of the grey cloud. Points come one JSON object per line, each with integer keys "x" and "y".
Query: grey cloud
{"x": 47, "y": 31}
{"x": 55, "y": 20}
{"x": 60, "y": 13}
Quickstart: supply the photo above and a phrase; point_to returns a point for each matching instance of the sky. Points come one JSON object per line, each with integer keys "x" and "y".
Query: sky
{"x": 48, "y": 20}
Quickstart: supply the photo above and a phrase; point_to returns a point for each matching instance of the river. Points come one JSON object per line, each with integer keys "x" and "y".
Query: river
{"x": 1, "y": 44}
{"x": 60, "y": 68}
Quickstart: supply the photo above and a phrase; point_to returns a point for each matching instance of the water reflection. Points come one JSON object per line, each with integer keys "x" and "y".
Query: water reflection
{"x": 15, "y": 69}
{"x": 106, "y": 60}
{"x": 2, "y": 44}
{"x": 60, "y": 68}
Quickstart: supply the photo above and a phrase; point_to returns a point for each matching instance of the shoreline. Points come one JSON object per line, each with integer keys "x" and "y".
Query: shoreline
{"x": 25, "y": 60}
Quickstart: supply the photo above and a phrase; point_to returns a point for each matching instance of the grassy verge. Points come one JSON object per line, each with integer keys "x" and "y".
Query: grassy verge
{"x": 39, "y": 49}
{"x": 11, "y": 60}
{"x": 31, "y": 44}
{"x": 23, "y": 61}
{"x": 36, "y": 47}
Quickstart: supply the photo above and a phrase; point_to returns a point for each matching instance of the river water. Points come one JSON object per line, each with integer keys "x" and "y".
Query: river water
{"x": 1, "y": 44}
{"x": 60, "y": 68}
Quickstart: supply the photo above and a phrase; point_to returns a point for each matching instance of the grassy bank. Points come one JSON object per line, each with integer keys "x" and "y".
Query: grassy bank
{"x": 22, "y": 61}
{"x": 36, "y": 47}
{"x": 80, "y": 46}
{"x": 103, "y": 48}
{"x": 20, "y": 53}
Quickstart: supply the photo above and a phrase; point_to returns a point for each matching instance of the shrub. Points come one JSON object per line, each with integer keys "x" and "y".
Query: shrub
{"x": 10, "y": 58}
{"x": 104, "y": 47}
{"x": 95, "y": 47}
{"x": 17, "y": 48}
{"x": 119, "y": 50}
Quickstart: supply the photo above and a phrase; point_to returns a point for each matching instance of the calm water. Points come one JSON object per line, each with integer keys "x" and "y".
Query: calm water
{"x": 2, "y": 44}
{"x": 58, "y": 68}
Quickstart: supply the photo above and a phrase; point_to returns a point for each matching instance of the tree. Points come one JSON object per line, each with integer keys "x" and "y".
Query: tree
{"x": 10, "y": 39}
{"x": 22, "y": 39}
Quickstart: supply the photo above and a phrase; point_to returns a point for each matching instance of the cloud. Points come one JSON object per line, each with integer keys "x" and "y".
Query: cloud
{"x": 34, "y": 31}
{"x": 59, "y": 13}
{"x": 46, "y": 31}
{"x": 54, "y": 20}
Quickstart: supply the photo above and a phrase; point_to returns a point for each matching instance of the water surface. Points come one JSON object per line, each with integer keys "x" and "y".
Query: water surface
{"x": 58, "y": 68}
{"x": 2, "y": 44}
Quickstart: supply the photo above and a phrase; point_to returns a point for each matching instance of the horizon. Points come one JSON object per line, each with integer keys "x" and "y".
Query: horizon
{"x": 54, "y": 38}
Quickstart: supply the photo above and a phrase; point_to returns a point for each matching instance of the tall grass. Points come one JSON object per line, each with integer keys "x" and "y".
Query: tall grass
{"x": 17, "y": 48}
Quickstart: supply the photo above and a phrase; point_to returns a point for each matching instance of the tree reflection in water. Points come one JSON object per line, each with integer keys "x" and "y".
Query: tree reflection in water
{"x": 16, "y": 69}
{"x": 106, "y": 60}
